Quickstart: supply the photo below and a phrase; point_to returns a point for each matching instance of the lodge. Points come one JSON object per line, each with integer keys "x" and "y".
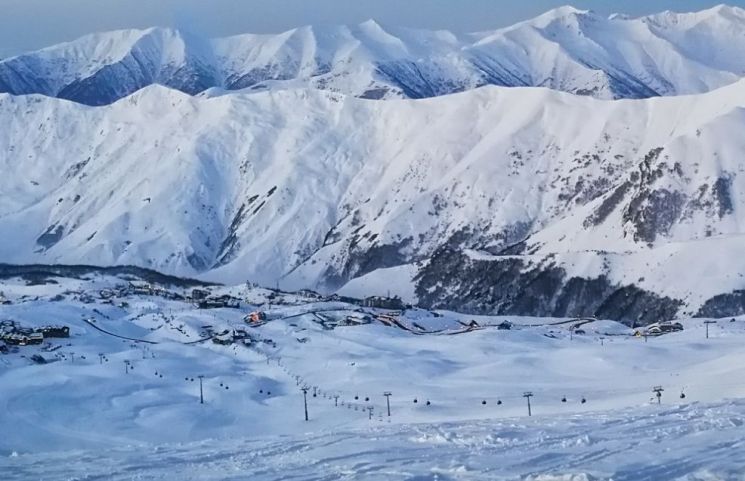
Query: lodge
{"x": 380, "y": 302}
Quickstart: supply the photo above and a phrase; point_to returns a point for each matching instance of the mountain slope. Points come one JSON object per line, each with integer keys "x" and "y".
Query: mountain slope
{"x": 313, "y": 189}
{"x": 564, "y": 49}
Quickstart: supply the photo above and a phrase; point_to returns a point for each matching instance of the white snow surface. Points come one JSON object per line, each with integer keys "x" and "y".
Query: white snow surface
{"x": 80, "y": 418}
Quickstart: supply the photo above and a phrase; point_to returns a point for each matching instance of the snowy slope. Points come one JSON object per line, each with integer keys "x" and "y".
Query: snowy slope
{"x": 83, "y": 415}
{"x": 698, "y": 442}
{"x": 312, "y": 189}
{"x": 564, "y": 49}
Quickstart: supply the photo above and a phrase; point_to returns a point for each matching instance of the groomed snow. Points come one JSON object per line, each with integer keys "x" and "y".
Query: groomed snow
{"x": 696, "y": 442}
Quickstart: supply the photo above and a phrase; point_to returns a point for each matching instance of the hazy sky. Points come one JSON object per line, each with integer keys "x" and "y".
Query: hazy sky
{"x": 32, "y": 24}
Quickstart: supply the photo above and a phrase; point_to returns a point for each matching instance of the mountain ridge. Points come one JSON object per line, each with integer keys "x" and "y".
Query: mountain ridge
{"x": 317, "y": 189}
{"x": 564, "y": 49}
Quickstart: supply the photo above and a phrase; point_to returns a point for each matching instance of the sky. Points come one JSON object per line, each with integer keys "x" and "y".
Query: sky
{"x": 27, "y": 25}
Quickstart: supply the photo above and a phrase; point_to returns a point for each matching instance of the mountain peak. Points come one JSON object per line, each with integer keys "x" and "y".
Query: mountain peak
{"x": 370, "y": 23}
{"x": 562, "y": 12}
{"x": 673, "y": 18}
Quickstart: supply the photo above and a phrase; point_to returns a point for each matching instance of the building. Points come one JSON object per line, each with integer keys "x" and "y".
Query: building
{"x": 54, "y": 331}
{"x": 141, "y": 289}
{"x": 199, "y": 294}
{"x": 380, "y": 302}
{"x": 106, "y": 293}
{"x": 661, "y": 328}
{"x": 310, "y": 294}
{"x": 338, "y": 298}
{"x": 13, "y": 334}
{"x": 223, "y": 340}
{"x": 255, "y": 318}
{"x": 504, "y": 326}
{"x": 218, "y": 303}
{"x": 24, "y": 339}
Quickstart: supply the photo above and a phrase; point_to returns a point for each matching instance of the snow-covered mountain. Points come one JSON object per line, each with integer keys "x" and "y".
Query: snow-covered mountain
{"x": 514, "y": 200}
{"x": 564, "y": 49}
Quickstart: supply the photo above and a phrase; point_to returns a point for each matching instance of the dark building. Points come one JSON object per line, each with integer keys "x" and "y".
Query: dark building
{"x": 54, "y": 331}
{"x": 199, "y": 294}
{"x": 380, "y": 302}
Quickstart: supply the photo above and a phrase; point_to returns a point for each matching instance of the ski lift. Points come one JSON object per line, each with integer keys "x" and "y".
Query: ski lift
{"x": 356, "y": 397}
{"x": 583, "y": 400}
{"x": 564, "y": 399}
{"x": 428, "y": 403}
{"x": 682, "y": 395}
{"x": 499, "y": 402}
{"x": 483, "y": 403}
{"x": 367, "y": 399}
{"x": 415, "y": 400}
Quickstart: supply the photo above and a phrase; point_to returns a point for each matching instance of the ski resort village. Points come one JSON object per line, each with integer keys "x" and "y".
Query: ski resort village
{"x": 465, "y": 241}
{"x": 132, "y": 359}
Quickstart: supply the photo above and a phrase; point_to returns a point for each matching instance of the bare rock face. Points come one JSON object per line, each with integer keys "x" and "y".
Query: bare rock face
{"x": 514, "y": 286}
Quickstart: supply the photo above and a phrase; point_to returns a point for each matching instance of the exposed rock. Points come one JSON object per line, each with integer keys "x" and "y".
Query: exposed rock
{"x": 513, "y": 286}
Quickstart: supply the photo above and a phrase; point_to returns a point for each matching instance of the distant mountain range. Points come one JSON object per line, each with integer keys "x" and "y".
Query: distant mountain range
{"x": 515, "y": 200}
{"x": 564, "y": 49}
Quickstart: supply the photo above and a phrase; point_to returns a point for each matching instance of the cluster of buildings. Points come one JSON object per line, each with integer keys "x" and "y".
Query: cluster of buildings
{"x": 201, "y": 298}
{"x": 13, "y": 334}
{"x": 660, "y": 328}
{"x": 381, "y": 302}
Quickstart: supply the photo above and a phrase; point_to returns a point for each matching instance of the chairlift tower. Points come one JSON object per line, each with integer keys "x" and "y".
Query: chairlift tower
{"x": 527, "y": 395}
{"x": 305, "y": 401}
{"x": 706, "y": 323}
{"x": 657, "y": 390}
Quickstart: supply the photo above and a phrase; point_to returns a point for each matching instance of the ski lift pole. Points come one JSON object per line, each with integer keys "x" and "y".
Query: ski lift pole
{"x": 527, "y": 396}
{"x": 305, "y": 401}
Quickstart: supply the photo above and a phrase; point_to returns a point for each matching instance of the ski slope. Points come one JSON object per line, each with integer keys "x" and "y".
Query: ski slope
{"x": 693, "y": 442}
{"x": 57, "y": 416}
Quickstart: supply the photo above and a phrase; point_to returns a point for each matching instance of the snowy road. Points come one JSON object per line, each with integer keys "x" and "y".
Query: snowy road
{"x": 692, "y": 442}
